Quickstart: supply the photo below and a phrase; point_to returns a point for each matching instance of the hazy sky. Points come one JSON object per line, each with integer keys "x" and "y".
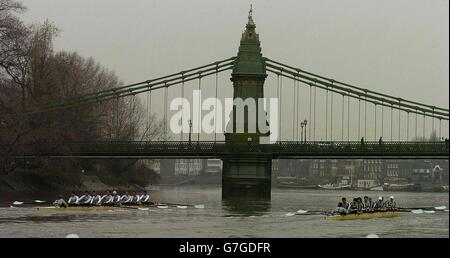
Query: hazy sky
{"x": 398, "y": 47}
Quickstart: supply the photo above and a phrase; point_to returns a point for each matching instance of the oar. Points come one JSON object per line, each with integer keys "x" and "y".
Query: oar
{"x": 184, "y": 206}
{"x": 18, "y": 203}
{"x": 439, "y": 208}
{"x": 305, "y": 212}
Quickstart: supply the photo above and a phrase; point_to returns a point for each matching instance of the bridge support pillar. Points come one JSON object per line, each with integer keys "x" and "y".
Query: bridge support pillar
{"x": 246, "y": 178}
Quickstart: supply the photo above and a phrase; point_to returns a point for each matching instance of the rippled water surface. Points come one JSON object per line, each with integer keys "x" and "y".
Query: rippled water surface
{"x": 224, "y": 219}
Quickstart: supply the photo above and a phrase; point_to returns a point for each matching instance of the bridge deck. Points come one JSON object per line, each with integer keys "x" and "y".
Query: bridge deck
{"x": 202, "y": 149}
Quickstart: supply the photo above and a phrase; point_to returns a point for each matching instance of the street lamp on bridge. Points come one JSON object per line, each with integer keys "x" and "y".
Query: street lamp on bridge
{"x": 305, "y": 122}
{"x": 302, "y": 124}
{"x": 190, "y": 130}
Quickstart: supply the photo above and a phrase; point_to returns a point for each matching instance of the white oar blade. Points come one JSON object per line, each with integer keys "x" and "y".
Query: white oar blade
{"x": 301, "y": 212}
{"x": 162, "y": 206}
{"x": 440, "y": 208}
{"x": 181, "y": 207}
{"x": 199, "y": 206}
{"x": 38, "y": 201}
{"x": 290, "y": 214}
{"x": 446, "y": 210}
{"x": 143, "y": 209}
{"x": 430, "y": 212}
{"x": 17, "y": 203}
{"x": 417, "y": 211}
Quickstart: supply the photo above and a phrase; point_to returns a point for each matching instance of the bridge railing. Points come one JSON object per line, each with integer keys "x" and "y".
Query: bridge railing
{"x": 219, "y": 149}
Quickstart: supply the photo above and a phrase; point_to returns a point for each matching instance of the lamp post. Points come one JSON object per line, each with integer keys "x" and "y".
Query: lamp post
{"x": 305, "y": 122}
{"x": 190, "y": 131}
{"x": 302, "y": 124}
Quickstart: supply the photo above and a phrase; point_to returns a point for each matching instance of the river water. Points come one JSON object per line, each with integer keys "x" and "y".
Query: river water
{"x": 224, "y": 219}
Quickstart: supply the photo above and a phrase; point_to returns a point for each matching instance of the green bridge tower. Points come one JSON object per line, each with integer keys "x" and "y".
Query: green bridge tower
{"x": 247, "y": 174}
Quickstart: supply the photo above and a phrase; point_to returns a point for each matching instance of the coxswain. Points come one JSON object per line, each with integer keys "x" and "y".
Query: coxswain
{"x": 60, "y": 203}
{"x": 391, "y": 204}
{"x": 85, "y": 200}
{"x": 73, "y": 199}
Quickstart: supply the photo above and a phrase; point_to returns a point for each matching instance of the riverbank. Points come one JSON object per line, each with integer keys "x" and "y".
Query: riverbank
{"x": 35, "y": 182}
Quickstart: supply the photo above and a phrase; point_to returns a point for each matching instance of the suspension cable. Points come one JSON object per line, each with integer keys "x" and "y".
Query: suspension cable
{"x": 298, "y": 109}
{"x": 407, "y": 126}
{"x": 165, "y": 111}
{"x": 382, "y": 121}
{"x": 148, "y": 113}
{"x": 399, "y": 122}
{"x": 200, "y": 107}
{"x": 315, "y": 95}
{"x": 440, "y": 128}
{"x": 392, "y": 120}
{"x": 215, "y": 108}
{"x": 279, "y": 105}
{"x": 343, "y": 116}
{"x": 348, "y": 118}
{"x": 423, "y": 131}
{"x": 295, "y": 113}
{"x": 375, "y": 133}
{"x": 365, "y": 118}
{"x": 323, "y": 79}
{"x": 310, "y": 106}
{"x": 326, "y": 115}
{"x": 331, "y": 117}
{"x": 416, "y": 127}
{"x": 182, "y": 108}
{"x": 359, "y": 118}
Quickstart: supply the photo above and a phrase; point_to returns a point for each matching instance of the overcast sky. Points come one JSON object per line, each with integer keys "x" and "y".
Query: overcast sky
{"x": 398, "y": 47}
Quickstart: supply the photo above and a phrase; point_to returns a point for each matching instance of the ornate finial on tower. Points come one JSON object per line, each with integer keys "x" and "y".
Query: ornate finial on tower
{"x": 250, "y": 19}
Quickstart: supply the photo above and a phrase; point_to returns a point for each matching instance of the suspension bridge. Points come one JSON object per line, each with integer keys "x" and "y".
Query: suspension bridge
{"x": 340, "y": 118}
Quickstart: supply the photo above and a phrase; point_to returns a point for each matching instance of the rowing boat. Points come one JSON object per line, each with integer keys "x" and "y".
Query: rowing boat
{"x": 90, "y": 208}
{"x": 386, "y": 214}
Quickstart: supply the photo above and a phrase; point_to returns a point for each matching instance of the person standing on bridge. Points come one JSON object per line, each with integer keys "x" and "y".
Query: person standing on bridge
{"x": 362, "y": 142}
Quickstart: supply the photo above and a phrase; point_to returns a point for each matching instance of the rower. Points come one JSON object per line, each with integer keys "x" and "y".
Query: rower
{"x": 360, "y": 204}
{"x": 391, "y": 204}
{"x": 367, "y": 203}
{"x": 107, "y": 199}
{"x": 85, "y": 200}
{"x": 345, "y": 204}
{"x": 126, "y": 199}
{"x": 145, "y": 198}
{"x": 115, "y": 198}
{"x": 73, "y": 199}
{"x": 60, "y": 203}
{"x": 354, "y": 206}
{"x": 379, "y": 205}
{"x": 339, "y": 210}
{"x": 135, "y": 199}
{"x": 96, "y": 199}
